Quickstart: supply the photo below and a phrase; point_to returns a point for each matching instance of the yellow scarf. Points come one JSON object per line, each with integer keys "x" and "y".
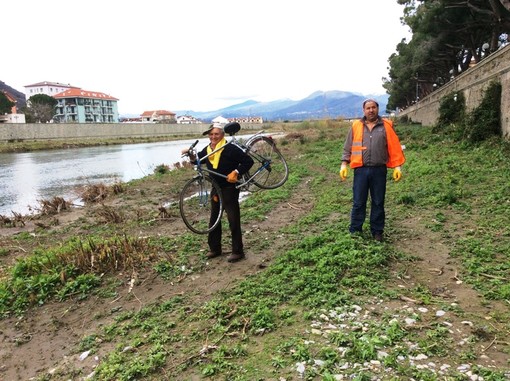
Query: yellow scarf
{"x": 215, "y": 158}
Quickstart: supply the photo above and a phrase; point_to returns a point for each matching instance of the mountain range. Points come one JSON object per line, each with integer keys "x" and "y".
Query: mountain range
{"x": 318, "y": 105}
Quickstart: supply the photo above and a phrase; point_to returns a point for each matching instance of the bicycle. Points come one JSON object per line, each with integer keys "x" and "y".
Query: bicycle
{"x": 270, "y": 171}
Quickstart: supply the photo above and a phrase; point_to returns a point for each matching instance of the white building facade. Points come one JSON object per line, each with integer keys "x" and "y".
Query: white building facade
{"x": 46, "y": 88}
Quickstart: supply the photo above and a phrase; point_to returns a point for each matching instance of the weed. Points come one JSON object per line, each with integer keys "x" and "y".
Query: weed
{"x": 162, "y": 169}
{"x": 95, "y": 193}
{"x": 53, "y": 206}
{"x": 68, "y": 270}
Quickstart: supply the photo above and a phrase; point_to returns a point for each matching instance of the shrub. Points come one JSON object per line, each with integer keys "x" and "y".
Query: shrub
{"x": 451, "y": 112}
{"x": 403, "y": 119}
{"x": 484, "y": 121}
{"x": 162, "y": 169}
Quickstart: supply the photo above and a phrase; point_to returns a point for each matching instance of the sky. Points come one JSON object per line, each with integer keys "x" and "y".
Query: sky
{"x": 201, "y": 55}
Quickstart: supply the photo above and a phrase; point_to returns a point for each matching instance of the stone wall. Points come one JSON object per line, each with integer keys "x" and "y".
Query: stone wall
{"x": 472, "y": 83}
{"x": 43, "y": 131}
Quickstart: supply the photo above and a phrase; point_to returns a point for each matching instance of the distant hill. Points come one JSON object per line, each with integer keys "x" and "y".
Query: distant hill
{"x": 318, "y": 105}
{"x": 20, "y": 97}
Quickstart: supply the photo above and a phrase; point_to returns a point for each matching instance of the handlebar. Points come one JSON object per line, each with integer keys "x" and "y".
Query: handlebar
{"x": 190, "y": 149}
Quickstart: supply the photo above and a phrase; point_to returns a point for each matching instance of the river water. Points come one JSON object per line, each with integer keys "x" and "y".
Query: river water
{"x": 27, "y": 178}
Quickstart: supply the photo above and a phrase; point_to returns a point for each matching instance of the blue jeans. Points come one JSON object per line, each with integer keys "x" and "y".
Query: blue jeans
{"x": 373, "y": 180}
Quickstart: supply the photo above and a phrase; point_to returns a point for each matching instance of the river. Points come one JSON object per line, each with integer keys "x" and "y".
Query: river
{"x": 27, "y": 178}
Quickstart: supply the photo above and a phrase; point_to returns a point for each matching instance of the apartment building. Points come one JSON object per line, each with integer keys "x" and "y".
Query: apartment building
{"x": 76, "y": 105}
{"x": 46, "y": 88}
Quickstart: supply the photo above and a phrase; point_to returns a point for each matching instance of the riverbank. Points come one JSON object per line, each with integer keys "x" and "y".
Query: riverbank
{"x": 52, "y": 144}
{"x": 120, "y": 289}
{"x": 89, "y": 137}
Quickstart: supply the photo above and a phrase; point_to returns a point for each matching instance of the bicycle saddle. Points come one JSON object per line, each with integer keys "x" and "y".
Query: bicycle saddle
{"x": 232, "y": 128}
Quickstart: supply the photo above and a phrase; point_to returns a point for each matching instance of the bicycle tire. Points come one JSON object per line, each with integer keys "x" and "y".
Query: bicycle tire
{"x": 272, "y": 171}
{"x": 195, "y": 204}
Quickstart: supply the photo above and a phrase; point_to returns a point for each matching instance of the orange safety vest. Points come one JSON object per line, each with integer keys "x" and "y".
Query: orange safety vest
{"x": 395, "y": 153}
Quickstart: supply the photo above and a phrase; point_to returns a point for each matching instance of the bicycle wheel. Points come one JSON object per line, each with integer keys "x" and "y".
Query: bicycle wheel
{"x": 199, "y": 198}
{"x": 271, "y": 171}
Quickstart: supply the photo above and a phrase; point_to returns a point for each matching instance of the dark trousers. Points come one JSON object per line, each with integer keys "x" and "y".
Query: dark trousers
{"x": 368, "y": 180}
{"x": 231, "y": 207}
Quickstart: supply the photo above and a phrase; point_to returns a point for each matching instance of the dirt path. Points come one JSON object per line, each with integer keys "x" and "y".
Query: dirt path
{"x": 436, "y": 271}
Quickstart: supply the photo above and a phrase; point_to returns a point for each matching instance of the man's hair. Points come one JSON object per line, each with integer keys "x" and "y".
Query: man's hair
{"x": 370, "y": 100}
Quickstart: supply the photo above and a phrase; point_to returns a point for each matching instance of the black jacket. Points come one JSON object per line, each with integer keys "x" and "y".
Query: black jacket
{"x": 232, "y": 158}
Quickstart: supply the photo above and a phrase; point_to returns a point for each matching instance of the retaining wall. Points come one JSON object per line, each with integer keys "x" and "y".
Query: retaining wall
{"x": 43, "y": 131}
{"x": 472, "y": 83}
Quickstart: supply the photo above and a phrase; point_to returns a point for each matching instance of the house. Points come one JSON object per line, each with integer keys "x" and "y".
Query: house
{"x": 13, "y": 117}
{"x": 247, "y": 119}
{"x": 158, "y": 116}
{"x": 220, "y": 119}
{"x": 131, "y": 119}
{"x": 76, "y": 105}
{"x": 11, "y": 98}
{"x": 18, "y": 96}
{"x": 187, "y": 119}
{"x": 46, "y": 88}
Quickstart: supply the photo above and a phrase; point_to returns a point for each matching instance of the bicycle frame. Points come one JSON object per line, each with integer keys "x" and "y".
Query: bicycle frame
{"x": 247, "y": 181}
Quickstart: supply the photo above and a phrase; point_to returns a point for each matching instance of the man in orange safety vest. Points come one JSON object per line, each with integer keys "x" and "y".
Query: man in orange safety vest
{"x": 371, "y": 147}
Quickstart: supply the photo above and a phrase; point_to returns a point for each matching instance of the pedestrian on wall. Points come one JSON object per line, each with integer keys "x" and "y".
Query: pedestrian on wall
{"x": 371, "y": 147}
{"x": 230, "y": 161}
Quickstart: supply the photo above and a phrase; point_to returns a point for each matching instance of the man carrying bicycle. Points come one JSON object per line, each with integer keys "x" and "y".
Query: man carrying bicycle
{"x": 231, "y": 162}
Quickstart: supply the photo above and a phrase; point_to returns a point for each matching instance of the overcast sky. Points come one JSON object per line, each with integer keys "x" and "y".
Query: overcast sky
{"x": 200, "y": 55}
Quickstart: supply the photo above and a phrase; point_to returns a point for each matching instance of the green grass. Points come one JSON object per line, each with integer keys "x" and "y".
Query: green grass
{"x": 318, "y": 308}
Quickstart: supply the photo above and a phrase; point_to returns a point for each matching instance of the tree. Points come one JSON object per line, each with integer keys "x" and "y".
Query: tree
{"x": 5, "y": 104}
{"x": 448, "y": 36}
{"x": 40, "y": 108}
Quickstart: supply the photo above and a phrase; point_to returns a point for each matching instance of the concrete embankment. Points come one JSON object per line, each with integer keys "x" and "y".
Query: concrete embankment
{"x": 47, "y": 131}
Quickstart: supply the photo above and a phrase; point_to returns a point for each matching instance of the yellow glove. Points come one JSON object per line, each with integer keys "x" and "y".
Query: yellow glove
{"x": 397, "y": 174}
{"x": 343, "y": 172}
{"x": 232, "y": 176}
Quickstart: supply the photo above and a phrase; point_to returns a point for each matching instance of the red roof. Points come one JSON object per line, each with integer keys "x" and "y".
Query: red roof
{"x": 157, "y": 112}
{"x": 80, "y": 93}
{"x": 9, "y": 96}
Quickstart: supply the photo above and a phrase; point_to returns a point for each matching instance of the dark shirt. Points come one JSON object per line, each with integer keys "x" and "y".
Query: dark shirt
{"x": 232, "y": 158}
